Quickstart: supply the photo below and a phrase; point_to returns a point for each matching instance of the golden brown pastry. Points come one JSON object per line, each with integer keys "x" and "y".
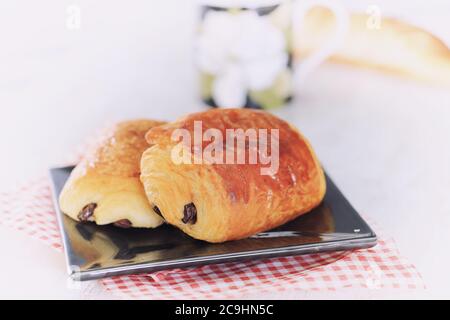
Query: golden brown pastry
{"x": 221, "y": 202}
{"x": 396, "y": 47}
{"x": 105, "y": 186}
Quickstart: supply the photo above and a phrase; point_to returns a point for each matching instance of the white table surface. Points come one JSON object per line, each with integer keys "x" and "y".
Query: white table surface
{"x": 384, "y": 141}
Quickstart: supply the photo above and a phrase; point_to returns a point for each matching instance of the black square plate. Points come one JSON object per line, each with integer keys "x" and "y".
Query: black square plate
{"x": 100, "y": 251}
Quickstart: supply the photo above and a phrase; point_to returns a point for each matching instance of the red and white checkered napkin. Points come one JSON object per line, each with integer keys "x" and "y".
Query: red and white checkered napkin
{"x": 30, "y": 210}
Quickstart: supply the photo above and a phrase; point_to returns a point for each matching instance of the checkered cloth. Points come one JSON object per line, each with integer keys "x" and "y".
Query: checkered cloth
{"x": 30, "y": 210}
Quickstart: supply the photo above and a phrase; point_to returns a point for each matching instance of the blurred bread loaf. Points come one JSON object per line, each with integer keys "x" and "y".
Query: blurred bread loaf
{"x": 396, "y": 47}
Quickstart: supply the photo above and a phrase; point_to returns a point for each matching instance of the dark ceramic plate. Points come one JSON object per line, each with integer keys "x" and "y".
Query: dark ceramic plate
{"x": 100, "y": 251}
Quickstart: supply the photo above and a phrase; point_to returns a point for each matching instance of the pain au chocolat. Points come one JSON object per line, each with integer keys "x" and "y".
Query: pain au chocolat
{"x": 105, "y": 187}
{"x": 217, "y": 201}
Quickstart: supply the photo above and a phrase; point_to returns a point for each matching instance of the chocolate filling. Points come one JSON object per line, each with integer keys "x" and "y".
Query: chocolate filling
{"x": 87, "y": 212}
{"x": 124, "y": 223}
{"x": 189, "y": 214}
{"x": 157, "y": 211}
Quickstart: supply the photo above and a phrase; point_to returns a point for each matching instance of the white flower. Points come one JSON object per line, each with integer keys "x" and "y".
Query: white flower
{"x": 243, "y": 51}
{"x": 228, "y": 87}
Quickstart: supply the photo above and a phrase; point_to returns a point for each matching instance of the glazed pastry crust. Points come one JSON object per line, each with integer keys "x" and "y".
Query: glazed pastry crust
{"x": 108, "y": 176}
{"x": 233, "y": 201}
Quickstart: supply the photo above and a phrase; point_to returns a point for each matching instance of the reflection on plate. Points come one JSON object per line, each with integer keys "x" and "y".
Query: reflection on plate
{"x": 96, "y": 251}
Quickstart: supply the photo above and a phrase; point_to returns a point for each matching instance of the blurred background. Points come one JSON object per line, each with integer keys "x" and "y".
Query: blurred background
{"x": 67, "y": 68}
{"x": 59, "y": 80}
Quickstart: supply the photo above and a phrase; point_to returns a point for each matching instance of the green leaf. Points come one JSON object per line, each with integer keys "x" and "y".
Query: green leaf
{"x": 206, "y": 84}
{"x": 276, "y": 95}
